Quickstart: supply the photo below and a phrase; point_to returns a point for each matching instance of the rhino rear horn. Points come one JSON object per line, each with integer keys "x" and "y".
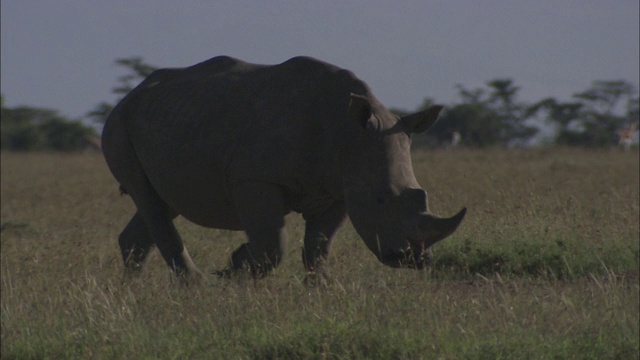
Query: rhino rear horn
{"x": 439, "y": 228}
{"x": 422, "y": 121}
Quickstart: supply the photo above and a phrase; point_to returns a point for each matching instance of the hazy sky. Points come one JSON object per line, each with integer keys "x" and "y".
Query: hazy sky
{"x": 60, "y": 54}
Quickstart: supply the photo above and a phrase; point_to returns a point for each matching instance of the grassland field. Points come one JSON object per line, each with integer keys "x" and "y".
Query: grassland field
{"x": 545, "y": 265}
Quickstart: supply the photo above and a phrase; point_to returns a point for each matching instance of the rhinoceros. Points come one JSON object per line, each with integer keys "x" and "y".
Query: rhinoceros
{"x": 233, "y": 145}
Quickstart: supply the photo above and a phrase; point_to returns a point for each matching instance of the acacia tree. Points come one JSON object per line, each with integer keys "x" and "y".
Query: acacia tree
{"x": 564, "y": 115}
{"x": 602, "y": 115}
{"x": 486, "y": 116}
{"x": 513, "y": 115}
{"x": 138, "y": 71}
{"x": 595, "y": 116}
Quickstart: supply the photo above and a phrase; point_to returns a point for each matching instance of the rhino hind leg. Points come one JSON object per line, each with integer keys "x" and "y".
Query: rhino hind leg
{"x": 152, "y": 224}
{"x": 261, "y": 209}
{"x": 135, "y": 243}
{"x": 159, "y": 221}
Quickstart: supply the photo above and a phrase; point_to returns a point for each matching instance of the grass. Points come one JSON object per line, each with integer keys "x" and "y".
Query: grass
{"x": 544, "y": 266}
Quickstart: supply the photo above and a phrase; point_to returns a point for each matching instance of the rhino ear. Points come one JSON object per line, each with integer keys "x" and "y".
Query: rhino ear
{"x": 359, "y": 109}
{"x": 422, "y": 121}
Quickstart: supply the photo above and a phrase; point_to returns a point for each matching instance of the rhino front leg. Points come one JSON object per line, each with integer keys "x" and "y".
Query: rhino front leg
{"x": 319, "y": 234}
{"x": 261, "y": 210}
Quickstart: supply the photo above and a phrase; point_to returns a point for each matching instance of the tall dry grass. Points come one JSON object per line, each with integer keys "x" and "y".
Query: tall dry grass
{"x": 544, "y": 265}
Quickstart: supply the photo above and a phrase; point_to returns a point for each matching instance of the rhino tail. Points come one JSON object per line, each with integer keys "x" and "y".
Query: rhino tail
{"x": 123, "y": 191}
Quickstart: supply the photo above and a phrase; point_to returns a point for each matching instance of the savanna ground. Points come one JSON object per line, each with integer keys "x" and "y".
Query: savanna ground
{"x": 544, "y": 266}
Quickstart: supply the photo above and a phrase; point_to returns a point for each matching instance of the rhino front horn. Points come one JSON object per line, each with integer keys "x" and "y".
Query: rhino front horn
{"x": 438, "y": 229}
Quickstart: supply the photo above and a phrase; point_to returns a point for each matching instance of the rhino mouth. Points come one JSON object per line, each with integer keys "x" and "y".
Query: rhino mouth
{"x": 415, "y": 256}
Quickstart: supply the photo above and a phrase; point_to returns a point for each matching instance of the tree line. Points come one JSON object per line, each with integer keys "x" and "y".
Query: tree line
{"x": 493, "y": 116}
{"x": 26, "y": 128}
{"x": 488, "y": 116}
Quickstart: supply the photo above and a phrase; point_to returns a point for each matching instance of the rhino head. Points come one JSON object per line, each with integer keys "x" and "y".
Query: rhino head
{"x": 385, "y": 203}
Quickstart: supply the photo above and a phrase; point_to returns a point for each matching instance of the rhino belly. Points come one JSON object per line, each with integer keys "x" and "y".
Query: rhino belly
{"x": 208, "y": 211}
{"x": 197, "y": 191}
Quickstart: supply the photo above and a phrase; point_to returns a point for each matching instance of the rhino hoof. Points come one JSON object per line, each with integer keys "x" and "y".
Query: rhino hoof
{"x": 194, "y": 278}
{"x": 227, "y": 273}
{"x": 315, "y": 279}
{"x": 224, "y": 273}
{"x": 236, "y": 274}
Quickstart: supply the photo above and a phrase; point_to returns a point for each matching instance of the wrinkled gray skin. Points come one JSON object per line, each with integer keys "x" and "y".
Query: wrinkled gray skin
{"x": 233, "y": 145}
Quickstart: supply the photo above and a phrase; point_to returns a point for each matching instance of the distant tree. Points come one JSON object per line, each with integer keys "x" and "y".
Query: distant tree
{"x": 138, "y": 71}
{"x": 20, "y": 127}
{"x": 474, "y": 118}
{"x": 565, "y": 116}
{"x": 100, "y": 113}
{"x": 18, "y": 134}
{"x": 512, "y": 114}
{"x": 604, "y": 96}
{"x": 64, "y": 135}
{"x": 27, "y": 128}
{"x": 595, "y": 116}
{"x": 602, "y": 115}
{"x": 485, "y": 117}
